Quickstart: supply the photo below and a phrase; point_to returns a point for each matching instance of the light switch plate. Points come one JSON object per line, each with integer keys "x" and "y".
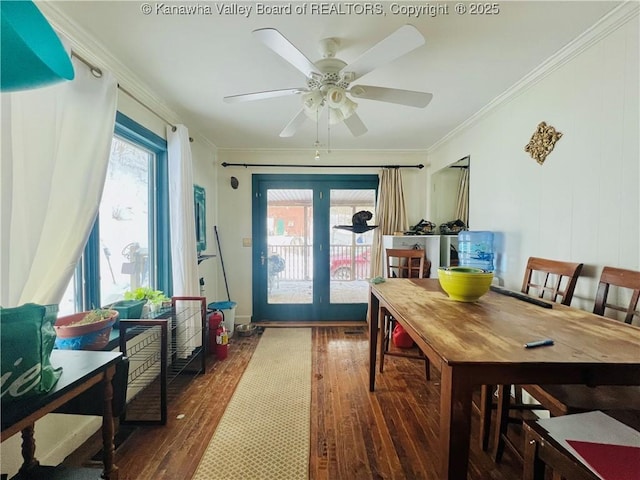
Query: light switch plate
{"x": 246, "y": 242}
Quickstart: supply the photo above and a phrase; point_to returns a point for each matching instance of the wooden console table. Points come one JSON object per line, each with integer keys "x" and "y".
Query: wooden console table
{"x": 80, "y": 371}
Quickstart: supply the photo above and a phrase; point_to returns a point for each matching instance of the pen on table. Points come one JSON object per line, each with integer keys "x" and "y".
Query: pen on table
{"x": 539, "y": 343}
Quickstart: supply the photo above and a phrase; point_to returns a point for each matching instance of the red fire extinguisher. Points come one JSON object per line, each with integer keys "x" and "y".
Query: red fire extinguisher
{"x": 215, "y": 320}
{"x": 222, "y": 342}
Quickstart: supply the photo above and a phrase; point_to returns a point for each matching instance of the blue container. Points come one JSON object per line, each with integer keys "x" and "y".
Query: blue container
{"x": 475, "y": 249}
{"x": 228, "y": 310}
{"x": 128, "y": 309}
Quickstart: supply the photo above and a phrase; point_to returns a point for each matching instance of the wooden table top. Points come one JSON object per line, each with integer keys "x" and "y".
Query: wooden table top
{"x": 78, "y": 366}
{"x": 494, "y": 329}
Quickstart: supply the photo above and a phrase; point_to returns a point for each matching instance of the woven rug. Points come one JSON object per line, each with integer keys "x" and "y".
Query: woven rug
{"x": 264, "y": 431}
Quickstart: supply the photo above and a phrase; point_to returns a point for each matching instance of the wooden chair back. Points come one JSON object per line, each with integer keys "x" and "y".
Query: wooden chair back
{"x": 623, "y": 279}
{"x": 558, "y": 278}
{"x": 402, "y": 263}
{"x": 405, "y": 263}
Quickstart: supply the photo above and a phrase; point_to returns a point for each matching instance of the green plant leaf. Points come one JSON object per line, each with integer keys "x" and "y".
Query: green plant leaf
{"x": 146, "y": 293}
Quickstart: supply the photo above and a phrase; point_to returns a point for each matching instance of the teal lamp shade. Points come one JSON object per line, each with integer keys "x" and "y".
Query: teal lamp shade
{"x": 32, "y": 55}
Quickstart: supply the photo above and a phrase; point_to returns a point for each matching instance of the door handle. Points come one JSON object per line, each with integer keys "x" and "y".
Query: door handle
{"x": 262, "y": 258}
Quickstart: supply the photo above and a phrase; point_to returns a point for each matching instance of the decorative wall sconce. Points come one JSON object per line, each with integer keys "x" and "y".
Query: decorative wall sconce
{"x": 542, "y": 142}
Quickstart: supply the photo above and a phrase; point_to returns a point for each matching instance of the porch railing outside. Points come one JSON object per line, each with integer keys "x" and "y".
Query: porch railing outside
{"x": 347, "y": 262}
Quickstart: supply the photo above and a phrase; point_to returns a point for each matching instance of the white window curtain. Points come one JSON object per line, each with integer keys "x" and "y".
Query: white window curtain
{"x": 183, "y": 229}
{"x": 55, "y": 152}
{"x": 391, "y": 215}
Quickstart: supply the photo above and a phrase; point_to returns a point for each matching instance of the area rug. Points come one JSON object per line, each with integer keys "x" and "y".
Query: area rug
{"x": 264, "y": 431}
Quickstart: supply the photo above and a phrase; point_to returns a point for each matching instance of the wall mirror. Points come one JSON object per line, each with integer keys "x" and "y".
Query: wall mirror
{"x": 450, "y": 199}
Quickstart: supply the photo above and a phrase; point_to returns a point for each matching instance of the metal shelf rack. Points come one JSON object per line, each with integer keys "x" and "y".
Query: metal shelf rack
{"x": 160, "y": 349}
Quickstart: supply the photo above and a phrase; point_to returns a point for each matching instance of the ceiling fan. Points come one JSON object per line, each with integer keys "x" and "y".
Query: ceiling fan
{"x": 329, "y": 79}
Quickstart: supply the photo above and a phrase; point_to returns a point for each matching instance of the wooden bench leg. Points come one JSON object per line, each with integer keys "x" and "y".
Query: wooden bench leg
{"x": 533, "y": 466}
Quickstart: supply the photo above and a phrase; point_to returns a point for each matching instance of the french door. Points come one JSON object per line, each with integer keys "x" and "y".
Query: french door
{"x": 305, "y": 269}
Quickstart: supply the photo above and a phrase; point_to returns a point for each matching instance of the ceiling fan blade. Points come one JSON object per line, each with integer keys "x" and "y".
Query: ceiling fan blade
{"x": 248, "y": 97}
{"x": 295, "y": 123}
{"x": 392, "y": 95}
{"x": 355, "y": 125}
{"x": 277, "y": 42}
{"x": 400, "y": 42}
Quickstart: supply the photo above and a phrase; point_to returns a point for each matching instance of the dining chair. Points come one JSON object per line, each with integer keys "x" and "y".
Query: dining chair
{"x": 623, "y": 279}
{"x": 567, "y": 399}
{"x": 401, "y": 263}
{"x": 544, "y": 278}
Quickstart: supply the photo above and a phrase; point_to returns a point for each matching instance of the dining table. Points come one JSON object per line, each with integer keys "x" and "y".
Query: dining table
{"x": 483, "y": 343}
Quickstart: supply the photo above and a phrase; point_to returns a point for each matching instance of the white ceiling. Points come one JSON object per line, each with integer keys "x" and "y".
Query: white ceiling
{"x": 192, "y": 61}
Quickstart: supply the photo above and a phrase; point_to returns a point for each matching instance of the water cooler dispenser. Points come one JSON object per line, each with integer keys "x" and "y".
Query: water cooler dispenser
{"x": 475, "y": 249}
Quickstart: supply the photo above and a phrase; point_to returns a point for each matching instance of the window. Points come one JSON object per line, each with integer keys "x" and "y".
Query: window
{"x": 129, "y": 244}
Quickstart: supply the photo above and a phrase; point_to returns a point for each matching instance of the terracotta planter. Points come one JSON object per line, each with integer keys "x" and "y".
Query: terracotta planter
{"x": 91, "y": 336}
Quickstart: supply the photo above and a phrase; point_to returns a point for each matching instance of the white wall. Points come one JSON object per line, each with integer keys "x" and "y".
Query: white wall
{"x": 234, "y": 206}
{"x": 582, "y": 204}
{"x": 205, "y": 175}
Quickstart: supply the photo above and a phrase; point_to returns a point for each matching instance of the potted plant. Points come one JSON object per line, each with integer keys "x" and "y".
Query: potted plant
{"x": 154, "y": 298}
{"x": 88, "y": 330}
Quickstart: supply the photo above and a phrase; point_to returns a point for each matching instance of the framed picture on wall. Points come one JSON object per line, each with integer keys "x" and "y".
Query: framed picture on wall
{"x": 200, "y": 208}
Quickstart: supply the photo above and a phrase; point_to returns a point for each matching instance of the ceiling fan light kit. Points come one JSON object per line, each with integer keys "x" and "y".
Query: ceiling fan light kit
{"x": 329, "y": 79}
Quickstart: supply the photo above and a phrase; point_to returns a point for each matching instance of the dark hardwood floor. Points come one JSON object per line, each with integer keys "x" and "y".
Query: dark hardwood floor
{"x": 355, "y": 434}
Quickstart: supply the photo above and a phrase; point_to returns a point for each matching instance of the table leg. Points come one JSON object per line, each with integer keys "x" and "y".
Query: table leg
{"x": 456, "y": 390}
{"x": 374, "y": 319}
{"x": 28, "y": 449}
{"x": 110, "y": 471}
{"x": 486, "y": 404}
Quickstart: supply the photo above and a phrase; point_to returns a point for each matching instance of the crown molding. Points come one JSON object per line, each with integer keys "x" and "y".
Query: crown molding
{"x": 91, "y": 50}
{"x": 376, "y": 151}
{"x": 601, "y": 29}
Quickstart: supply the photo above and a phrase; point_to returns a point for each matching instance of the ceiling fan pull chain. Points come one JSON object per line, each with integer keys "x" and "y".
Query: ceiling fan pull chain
{"x": 317, "y": 144}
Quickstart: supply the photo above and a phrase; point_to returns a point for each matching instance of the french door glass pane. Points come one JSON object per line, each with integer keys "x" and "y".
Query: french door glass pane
{"x": 125, "y": 221}
{"x": 290, "y": 246}
{"x": 350, "y": 253}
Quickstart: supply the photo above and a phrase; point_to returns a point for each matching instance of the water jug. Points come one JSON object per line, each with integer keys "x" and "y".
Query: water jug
{"x": 475, "y": 249}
